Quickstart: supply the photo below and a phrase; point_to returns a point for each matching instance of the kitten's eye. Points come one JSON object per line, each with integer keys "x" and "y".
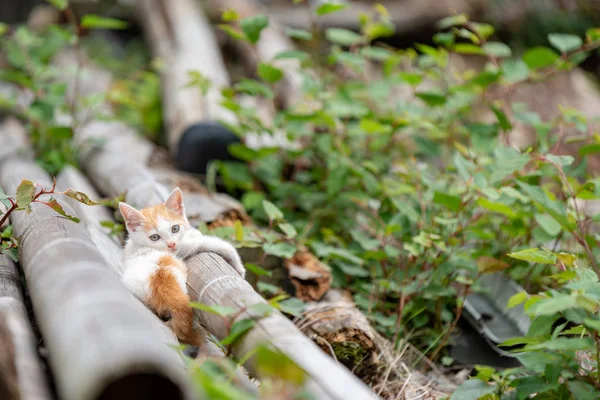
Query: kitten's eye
{"x": 154, "y": 237}
{"x": 175, "y": 228}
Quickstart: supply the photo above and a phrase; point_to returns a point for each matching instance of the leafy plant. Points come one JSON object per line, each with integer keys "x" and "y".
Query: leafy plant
{"x": 411, "y": 197}
{"x": 28, "y": 193}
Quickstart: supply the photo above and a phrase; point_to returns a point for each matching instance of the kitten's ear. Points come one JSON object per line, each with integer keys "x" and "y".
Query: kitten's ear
{"x": 175, "y": 202}
{"x": 133, "y": 218}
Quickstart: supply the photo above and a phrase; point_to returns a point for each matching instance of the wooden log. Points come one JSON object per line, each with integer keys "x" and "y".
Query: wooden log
{"x": 181, "y": 36}
{"x": 22, "y": 375}
{"x": 102, "y": 342}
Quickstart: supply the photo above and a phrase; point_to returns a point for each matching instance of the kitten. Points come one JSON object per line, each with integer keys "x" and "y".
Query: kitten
{"x": 160, "y": 238}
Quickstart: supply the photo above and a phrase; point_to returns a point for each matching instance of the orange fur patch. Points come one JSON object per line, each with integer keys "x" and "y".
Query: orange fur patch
{"x": 151, "y": 215}
{"x": 167, "y": 296}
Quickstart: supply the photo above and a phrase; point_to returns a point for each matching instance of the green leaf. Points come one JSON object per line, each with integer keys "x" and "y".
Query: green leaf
{"x": 261, "y": 310}
{"x": 329, "y": 8}
{"x": 272, "y": 211}
{"x": 534, "y": 255}
{"x": 372, "y": 126}
{"x": 80, "y": 197}
{"x": 496, "y": 49}
{"x": 565, "y": 42}
{"x": 497, "y": 207}
{"x": 467, "y": 48}
{"x": 239, "y": 231}
{"x": 453, "y": 203}
{"x": 487, "y": 264}
{"x": 283, "y": 250}
{"x": 230, "y": 15}
{"x": 343, "y": 37}
{"x": 472, "y": 389}
{"x": 563, "y": 161}
{"x": 232, "y": 32}
{"x": 583, "y": 390}
{"x": 3, "y": 28}
{"x": 269, "y": 73}
{"x": 548, "y": 224}
{"x": 242, "y": 152}
{"x": 265, "y": 287}
{"x": 433, "y": 99}
{"x": 452, "y": 20}
{"x": 288, "y": 229}
{"x": 217, "y": 309}
{"x": 53, "y": 204}
{"x": 593, "y": 34}
{"x": 274, "y": 365}
{"x": 411, "y": 78}
{"x": 238, "y": 329}
{"x": 254, "y": 88}
{"x": 552, "y": 305}
{"x": 25, "y": 194}
{"x": 256, "y": 270}
{"x": 60, "y": 4}
{"x": 514, "y": 70}
{"x": 589, "y": 149}
{"x": 539, "y": 57}
{"x": 91, "y": 21}
{"x": 502, "y": 119}
{"x": 517, "y": 299}
{"x": 253, "y": 26}
{"x": 563, "y": 343}
{"x": 300, "y": 34}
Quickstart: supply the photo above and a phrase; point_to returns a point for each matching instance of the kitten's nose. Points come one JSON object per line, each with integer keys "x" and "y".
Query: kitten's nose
{"x": 171, "y": 245}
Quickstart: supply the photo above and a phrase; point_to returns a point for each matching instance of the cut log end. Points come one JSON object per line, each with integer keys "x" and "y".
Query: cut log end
{"x": 150, "y": 386}
{"x": 311, "y": 278}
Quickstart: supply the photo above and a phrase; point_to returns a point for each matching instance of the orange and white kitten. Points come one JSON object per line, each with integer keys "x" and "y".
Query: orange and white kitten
{"x": 160, "y": 238}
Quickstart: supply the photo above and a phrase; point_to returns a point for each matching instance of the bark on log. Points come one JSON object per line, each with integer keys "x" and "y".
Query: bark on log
{"x": 22, "y": 376}
{"x": 103, "y": 343}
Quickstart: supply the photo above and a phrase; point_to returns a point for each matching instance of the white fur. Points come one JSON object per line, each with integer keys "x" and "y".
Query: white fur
{"x": 139, "y": 266}
{"x": 194, "y": 242}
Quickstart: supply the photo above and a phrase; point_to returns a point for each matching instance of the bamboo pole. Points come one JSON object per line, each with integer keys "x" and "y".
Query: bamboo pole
{"x": 181, "y": 36}
{"x": 102, "y": 342}
{"x": 112, "y": 251}
{"x": 22, "y": 376}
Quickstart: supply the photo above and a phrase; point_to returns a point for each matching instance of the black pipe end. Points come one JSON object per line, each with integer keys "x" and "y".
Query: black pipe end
{"x": 201, "y": 143}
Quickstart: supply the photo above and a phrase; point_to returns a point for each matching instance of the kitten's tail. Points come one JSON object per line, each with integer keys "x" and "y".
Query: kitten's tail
{"x": 168, "y": 299}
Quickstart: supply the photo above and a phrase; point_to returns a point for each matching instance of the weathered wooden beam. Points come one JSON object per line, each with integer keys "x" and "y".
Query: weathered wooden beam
{"x": 181, "y": 36}
{"x": 22, "y": 375}
{"x": 103, "y": 343}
